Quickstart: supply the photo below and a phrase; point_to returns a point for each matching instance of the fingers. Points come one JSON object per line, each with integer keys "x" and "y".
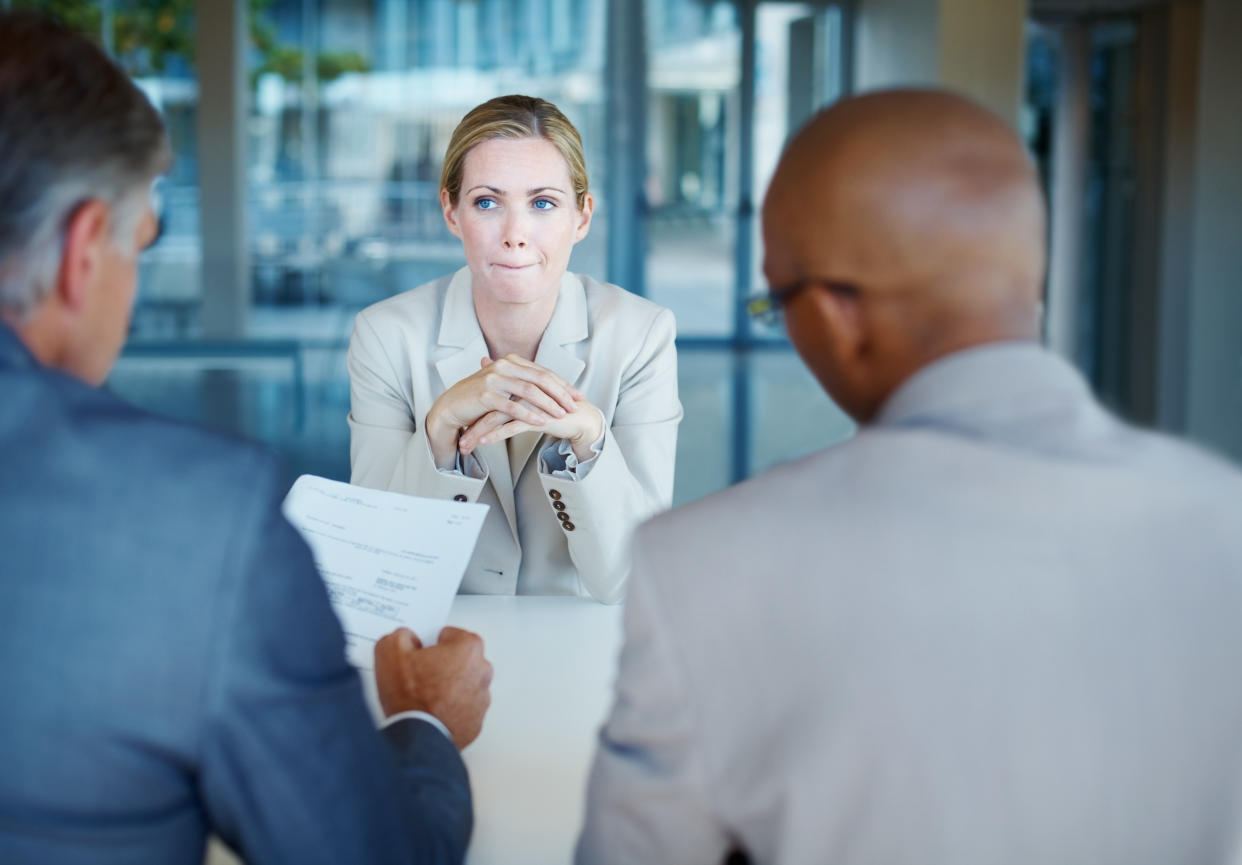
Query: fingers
{"x": 394, "y": 678}
{"x": 504, "y": 431}
{"x": 470, "y": 645}
{"x": 514, "y": 366}
{"x": 533, "y": 414}
{"x": 471, "y": 438}
{"x": 534, "y": 394}
{"x": 449, "y": 634}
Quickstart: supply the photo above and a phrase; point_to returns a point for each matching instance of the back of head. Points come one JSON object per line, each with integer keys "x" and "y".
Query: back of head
{"x": 515, "y": 117}
{"x": 927, "y": 208}
{"x": 73, "y": 127}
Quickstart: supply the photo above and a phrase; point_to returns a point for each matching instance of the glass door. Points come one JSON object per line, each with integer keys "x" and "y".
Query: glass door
{"x": 727, "y": 84}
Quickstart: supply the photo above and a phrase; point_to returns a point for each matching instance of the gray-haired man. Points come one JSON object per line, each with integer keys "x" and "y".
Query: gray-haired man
{"x": 171, "y": 664}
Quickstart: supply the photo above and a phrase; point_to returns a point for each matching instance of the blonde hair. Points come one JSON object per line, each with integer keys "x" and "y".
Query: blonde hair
{"x": 515, "y": 117}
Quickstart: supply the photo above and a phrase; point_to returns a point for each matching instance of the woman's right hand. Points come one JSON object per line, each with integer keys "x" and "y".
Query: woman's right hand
{"x": 517, "y": 387}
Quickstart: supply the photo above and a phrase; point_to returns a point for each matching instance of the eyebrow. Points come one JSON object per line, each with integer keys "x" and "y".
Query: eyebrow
{"x": 534, "y": 191}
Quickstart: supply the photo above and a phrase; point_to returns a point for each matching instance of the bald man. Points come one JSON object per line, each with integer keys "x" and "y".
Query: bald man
{"x": 997, "y": 626}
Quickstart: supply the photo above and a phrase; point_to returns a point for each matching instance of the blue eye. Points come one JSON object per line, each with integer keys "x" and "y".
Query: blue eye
{"x": 486, "y": 203}
{"x": 544, "y": 204}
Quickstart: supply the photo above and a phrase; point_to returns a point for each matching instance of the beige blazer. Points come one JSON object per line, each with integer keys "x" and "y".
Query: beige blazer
{"x": 996, "y": 626}
{"x": 614, "y": 346}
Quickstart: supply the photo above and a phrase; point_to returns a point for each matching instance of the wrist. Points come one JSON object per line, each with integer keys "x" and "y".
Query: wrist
{"x": 591, "y": 431}
{"x": 443, "y": 440}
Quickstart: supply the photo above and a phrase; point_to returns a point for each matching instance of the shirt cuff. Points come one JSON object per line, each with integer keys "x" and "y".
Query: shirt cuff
{"x": 465, "y": 467}
{"x": 558, "y": 459}
{"x": 423, "y": 716}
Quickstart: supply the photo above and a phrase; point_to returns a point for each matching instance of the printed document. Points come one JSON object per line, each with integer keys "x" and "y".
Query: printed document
{"x": 387, "y": 559}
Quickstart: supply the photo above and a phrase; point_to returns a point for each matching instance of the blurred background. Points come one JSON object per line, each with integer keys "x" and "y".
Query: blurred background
{"x": 309, "y": 135}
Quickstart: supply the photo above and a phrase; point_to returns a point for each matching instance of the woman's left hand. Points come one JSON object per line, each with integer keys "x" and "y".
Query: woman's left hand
{"x": 581, "y": 427}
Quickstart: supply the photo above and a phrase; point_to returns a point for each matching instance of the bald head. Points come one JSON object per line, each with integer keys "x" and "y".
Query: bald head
{"x": 927, "y": 207}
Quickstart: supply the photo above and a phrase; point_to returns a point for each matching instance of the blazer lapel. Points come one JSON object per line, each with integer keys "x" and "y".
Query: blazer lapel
{"x": 459, "y": 329}
{"x": 567, "y": 326}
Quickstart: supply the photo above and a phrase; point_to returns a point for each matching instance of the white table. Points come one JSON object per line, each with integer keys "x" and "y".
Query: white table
{"x": 554, "y": 659}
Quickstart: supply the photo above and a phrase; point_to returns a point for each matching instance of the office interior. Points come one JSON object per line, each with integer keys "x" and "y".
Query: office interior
{"x": 308, "y": 137}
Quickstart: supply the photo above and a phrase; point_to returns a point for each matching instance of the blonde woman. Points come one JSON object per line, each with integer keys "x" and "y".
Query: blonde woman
{"x": 548, "y": 395}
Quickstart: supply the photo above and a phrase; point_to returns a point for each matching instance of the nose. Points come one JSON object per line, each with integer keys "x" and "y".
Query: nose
{"x": 514, "y": 237}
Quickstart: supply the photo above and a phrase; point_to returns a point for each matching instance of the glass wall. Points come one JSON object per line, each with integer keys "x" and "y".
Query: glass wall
{"x": 350, "y": 107}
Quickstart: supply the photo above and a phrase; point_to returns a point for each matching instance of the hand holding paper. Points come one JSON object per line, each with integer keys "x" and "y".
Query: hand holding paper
{"x": 388, "y": 560}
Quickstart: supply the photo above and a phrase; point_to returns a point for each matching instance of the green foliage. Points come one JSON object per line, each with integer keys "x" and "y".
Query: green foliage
{"x": 146, "y": 34}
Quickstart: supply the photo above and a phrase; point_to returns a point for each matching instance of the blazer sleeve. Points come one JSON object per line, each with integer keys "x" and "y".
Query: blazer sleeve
{"x": 292, "y": 769}
{"x": 388, "y": 446}
{"x": 632, "y": 477}
{"x": 647, "y": 798}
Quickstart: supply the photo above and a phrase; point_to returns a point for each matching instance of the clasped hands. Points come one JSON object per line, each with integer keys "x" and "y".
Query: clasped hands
{"x": 507, "y": 397}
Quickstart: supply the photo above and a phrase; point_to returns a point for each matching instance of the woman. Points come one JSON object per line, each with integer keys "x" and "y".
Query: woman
{"x": 547, "y": 395}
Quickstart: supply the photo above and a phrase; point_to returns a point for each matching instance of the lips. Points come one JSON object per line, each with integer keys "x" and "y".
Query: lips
{"x": 513, "y": 267}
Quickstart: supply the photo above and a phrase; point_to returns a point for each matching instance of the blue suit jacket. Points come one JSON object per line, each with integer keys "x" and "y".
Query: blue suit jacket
{"x": 169, "y": 663}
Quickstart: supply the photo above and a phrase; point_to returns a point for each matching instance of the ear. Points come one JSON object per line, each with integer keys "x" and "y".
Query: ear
{"x": 450, "y": 213}
{"x": 845, "y": 323}
{"x": 584, "y": 217}
{"x": 86, "y": 235}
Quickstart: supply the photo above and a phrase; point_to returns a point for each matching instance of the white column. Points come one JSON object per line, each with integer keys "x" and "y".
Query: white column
{"x": 977, "y": 48}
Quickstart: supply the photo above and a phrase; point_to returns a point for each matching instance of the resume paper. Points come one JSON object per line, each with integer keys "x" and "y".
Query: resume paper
{"x": 388, "y": 560}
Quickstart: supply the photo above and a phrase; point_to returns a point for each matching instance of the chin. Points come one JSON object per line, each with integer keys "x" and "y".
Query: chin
{"x": 527, "y": 286}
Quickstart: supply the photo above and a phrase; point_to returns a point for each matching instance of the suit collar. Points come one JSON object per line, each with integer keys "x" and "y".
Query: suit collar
{"x": 458, "y": 325}
{"x": 459, "y": 328}
{"x": 569, "y": 324}
{"x": 989, "y": 389}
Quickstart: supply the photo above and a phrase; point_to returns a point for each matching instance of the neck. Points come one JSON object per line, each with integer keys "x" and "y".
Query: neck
{"x": 41, "y": 338}
{"x": 513, "y": 328}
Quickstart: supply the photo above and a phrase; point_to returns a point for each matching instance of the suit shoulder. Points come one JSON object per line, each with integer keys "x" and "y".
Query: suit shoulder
{"x": 157, "y": 458}
{"x": 619, "y": 307}
{"x": 417, "y": 307}
{"x": 741, "y": 512}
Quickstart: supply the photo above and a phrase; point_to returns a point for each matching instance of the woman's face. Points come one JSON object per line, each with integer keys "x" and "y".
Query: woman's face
{"x": 517, "y": 218}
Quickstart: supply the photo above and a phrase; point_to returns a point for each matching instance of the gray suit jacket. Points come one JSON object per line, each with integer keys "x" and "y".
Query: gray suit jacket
{"x": 171, "y": 665}
{"x": 997, "y": 626}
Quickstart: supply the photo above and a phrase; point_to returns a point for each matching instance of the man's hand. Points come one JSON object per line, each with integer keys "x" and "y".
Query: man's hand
{"x": 451, "y": 680}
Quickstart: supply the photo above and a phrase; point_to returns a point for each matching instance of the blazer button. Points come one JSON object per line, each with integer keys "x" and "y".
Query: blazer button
{"x": 562, "y": 516}
{"x": 459, "y": 498}
{"x": 555, "y": 495}
{"x": 560, "y": 506}
{"x": 567, "y": 526}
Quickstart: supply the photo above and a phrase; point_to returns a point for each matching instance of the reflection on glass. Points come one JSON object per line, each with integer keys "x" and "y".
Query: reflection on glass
{"x": 798, "y": 71}
{"x": 347, "y": 141}
{"x": 790, "y": 414}
{"x": 691, "y": 194}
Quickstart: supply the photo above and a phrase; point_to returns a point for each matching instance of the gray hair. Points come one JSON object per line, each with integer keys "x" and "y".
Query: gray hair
{"x": 73, "y": 128}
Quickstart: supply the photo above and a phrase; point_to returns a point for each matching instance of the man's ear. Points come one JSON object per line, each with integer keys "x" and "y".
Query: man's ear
{"x": 450, "y": 215}
{"x": 86, "y": 235}
{"x": 843, "y": 317}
